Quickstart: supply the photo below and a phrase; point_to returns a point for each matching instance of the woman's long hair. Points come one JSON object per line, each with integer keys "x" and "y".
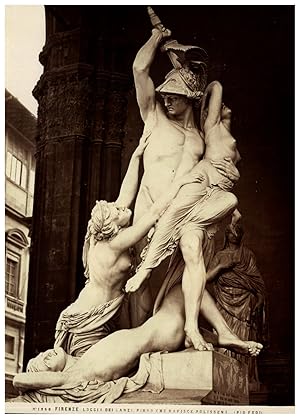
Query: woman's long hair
{"x": 100, "y": 227}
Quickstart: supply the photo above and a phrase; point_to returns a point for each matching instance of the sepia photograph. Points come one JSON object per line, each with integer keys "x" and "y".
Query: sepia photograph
{"x": 149, "y": 208}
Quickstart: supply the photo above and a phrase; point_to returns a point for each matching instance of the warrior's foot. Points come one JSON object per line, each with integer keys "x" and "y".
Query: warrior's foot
{"x": 196, "y": 340}
{"x": 244, "y": 347}
{"x": 134, "y": 283}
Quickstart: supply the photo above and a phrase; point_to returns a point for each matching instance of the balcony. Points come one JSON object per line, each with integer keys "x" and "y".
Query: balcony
{"x": 14, "y": 308}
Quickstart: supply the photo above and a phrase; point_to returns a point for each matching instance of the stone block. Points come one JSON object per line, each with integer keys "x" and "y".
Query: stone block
{"x": 194, "y": 377}
{"x": 220, "y": 378}
{"x": 188, "y": 370}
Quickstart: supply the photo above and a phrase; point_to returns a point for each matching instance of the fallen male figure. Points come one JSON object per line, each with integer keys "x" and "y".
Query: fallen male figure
{"x": 99, "y": 376}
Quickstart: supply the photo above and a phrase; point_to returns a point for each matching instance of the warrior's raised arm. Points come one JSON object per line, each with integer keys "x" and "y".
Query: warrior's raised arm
{"x": 145, "y": 91}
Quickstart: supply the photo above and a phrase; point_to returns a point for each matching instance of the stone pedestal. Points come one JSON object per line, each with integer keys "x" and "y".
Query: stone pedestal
{"x": 193, "y": 377}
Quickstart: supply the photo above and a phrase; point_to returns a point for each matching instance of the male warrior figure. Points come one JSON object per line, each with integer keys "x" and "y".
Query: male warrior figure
{"x": 175, "y": 147}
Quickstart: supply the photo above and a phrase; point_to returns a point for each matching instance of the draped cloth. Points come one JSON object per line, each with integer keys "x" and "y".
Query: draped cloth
{"x": 149, "y": 377}
{"x": 194, "y": 208}
{"x": 77, "y": 331}
{"x": 235, "y": 293}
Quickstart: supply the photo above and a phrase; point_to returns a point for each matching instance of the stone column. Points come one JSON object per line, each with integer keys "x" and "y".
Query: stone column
{"x": 63, "y": 132}
{"x": 81, "y": 117}
{"x": 116, "y": 113}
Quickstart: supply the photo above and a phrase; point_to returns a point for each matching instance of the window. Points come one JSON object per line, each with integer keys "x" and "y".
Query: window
{"x": 9, "y": 344}
{"x": 12, "y": 277}
{"x": 16, "y": 242}
{"x": 16, "y": 170}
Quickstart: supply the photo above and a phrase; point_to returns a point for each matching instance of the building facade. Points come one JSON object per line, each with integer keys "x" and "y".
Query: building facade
{"x": 20, "y": 132}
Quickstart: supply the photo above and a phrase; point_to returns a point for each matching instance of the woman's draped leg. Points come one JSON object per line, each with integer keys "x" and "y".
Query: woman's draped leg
{"x": 165, "y": 238}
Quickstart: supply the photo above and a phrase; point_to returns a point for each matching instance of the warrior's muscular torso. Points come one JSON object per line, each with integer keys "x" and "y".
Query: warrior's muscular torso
{"x": 172, "y": 151}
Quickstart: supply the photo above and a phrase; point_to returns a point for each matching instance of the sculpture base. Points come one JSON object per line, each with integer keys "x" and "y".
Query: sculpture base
{"x": 194, "y": 377}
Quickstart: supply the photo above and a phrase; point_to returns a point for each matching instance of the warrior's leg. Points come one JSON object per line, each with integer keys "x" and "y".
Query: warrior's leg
{"x": 140, "y": 303}
{"x": 196, "y": 297}
{"x": 193, "y": 285}
{"x": 226, "y": 338}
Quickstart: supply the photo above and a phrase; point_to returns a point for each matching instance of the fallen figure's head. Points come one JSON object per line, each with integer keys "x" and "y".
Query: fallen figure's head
{"x": 39, "y": 370}
{"x": 55, "y": 359}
